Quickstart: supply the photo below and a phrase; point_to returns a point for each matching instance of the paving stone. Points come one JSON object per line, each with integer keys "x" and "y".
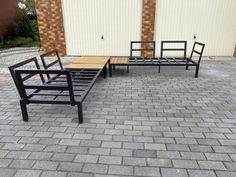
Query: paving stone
{"x": 27, "y": 164}
{"x": 121, "y": 152}
{"x": 147, "y": 171}
{"x": 79, "y": 175}
{"x": 7, "y": 172}
{"x": 144, "y": 153}
{"x": 211, "y": 165}
{"x": 110, "y": 144}
{"x": 77, "y": 150}
{"x": 217, "y": 157}
{"x": 27, "y": 173}
{"x": 18, "y": 154}
{"x": 69, "y": 142}
{"x": 230, "y": 165}
{"x": 169, "y": 172}
{"x": 168, "y": 154}
{"x": 86, "y": 158}
{"x": 225, "y": 174}
{"x": 25, "y": 133}
{"x": 34, "y": 147}
{"x": 200, "y": 148}
{"x": 95, "y": 168}
{"x": 110, "y": 160}
{"x": 133, "y": 145}
{"x": 120, "y": 170}
{"x": 192, "y": 155}
{"x": 63, "y": 157}
{"x": 70, "y": 167}
{"x": 99, "y": 151}
{"x": 159, "y": 162}
{"x": 201, "y": 173}
{"x": 5, "y": 162}
{"x": 155, "y": 146}
{"x": 90, "y": 143}
{"x": 177, "y": 147}
{"x": 133, "y": 161}
{"x": 40, "y": 155}
{"x": 45, "y": 165}
{"x": 224, "y": 149}
{"x": 185, "y": 164}
{"x": 53, "y": 174}
{"x": 3, "y": 153}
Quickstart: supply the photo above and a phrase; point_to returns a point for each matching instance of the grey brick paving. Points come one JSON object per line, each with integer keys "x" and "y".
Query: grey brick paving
{"x": 141, "y": 123}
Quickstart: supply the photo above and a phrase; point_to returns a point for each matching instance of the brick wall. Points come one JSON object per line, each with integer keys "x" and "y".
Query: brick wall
{"x": 51, "y": 28}
{"x": 148, "y": 23}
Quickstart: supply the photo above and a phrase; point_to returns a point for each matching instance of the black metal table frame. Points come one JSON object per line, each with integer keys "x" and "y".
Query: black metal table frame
{"x": 58, "y": 61}
{"x": 166, "y": 61}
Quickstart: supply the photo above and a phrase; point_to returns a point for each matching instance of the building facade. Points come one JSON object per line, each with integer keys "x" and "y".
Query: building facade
{"x": 106, "y": 27}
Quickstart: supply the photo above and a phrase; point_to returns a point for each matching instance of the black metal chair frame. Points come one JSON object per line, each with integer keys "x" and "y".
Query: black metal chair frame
{"x": 167, "y": 61}
{"x": 77, "y": 84}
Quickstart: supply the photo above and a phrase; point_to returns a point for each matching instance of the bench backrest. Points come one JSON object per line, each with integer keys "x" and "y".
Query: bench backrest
{"x": 198, "y": 49}
{"x": 46, "y": 58}
{"x": 47, "y": 98}
{"x": 145, "y": 46}
{"x": 33, "y": 62}
{"x": 165, "y": 47}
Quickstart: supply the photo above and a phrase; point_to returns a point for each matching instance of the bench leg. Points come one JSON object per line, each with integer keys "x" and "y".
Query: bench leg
{"x": 24, "y": 111}
{"x": 105, "y": 72}
{"x": 196, "y": 71}
{"x": 128, "y": 69}
{"x": 110, "y": 70}
{"x": 159, "y": 69}
{"x": 114, "y": 67}
{"x": 80, "y": 113}
{"x": 187, "y": 67}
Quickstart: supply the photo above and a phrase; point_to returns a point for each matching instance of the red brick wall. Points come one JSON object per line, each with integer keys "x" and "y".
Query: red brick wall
{"x": 51, "y": 28}
{"x": 148, "y": 23}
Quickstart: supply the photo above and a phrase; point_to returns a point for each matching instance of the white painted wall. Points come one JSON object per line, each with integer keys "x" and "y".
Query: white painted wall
{"x": 85, "y": 21}
{"x": 213, "y": 22}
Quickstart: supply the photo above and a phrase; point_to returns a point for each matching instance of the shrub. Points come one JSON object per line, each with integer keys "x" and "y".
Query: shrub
{"x": 17, "y": 42}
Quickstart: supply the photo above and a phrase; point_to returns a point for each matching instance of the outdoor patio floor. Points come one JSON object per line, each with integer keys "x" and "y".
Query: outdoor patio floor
{"x": 141, "y": 123}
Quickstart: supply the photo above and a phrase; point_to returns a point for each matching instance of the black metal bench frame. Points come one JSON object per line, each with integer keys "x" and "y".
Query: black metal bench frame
{"x": 165, "y": 61}
{"x": 77, "y": 83}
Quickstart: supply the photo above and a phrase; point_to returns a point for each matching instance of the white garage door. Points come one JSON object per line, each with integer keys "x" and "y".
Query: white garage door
{"x": 212, "y": 21}
{"x": 101, "y": 27}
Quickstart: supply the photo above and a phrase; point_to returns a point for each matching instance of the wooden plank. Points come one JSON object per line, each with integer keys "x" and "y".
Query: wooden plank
{"x": 119, "y": 60}
{"x": 91, "y": 60}
{"x": 85, "y": 66}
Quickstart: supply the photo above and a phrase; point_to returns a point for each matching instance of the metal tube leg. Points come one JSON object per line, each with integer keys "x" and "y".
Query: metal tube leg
{"x": 110, "y": 70}
{"x": 127, "y": 68}
{"x": 159, "y": 69}
{"x": 80, "y": 113}
{"x": 114, "y": 67}
{"x": 196, "y": 71}
{"x": 187, "y": 66}
{"x": 24, "y": 111}
{"x": 104, "y": 72}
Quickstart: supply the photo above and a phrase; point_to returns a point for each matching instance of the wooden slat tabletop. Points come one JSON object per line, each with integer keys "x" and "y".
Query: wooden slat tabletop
{"x": 91, "y": 60}
{"x": 119, "y": 60}
{"x": 85, "y": 66}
